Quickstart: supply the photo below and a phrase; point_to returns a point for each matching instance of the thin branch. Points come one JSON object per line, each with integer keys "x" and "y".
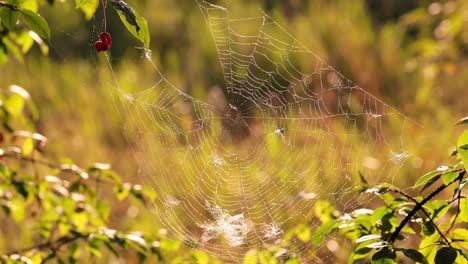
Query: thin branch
{"x": 9, "y": 5}
{"x": 53, "y": 246}
{"x": 51, "y": 166}
{"x": 104, "y": 13}
{"x": 458, "y": 210}
{"x": 423, "y": 210}
{"x": 420, "y": 205}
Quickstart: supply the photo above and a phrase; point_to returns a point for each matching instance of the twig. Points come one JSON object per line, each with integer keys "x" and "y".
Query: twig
{"x": 423, "y": 210}
{"x": 9, "y": 5}
{"x": 104, "y": 13}
{"x": 54, "y": 246}
{"x": 420, "y": 205}
{"x": 458, "y": 209}
{"x": 51, "y": 166}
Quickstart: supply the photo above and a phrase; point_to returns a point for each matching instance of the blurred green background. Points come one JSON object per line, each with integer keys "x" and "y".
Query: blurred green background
{"x": 411, "y": 54}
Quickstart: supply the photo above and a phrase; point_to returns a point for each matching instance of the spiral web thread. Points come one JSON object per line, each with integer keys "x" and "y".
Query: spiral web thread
{"x": 236, "y": 174}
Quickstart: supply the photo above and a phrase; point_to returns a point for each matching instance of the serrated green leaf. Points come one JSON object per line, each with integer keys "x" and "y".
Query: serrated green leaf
{"x": 446, "y": 255}
{"x": 36, "y": 23}
{"x": 9, "y": 17}
{"x": 88, "y": 7}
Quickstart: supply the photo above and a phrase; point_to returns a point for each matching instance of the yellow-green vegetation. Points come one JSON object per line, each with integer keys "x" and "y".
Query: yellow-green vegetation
{"x": 411, "y": 55}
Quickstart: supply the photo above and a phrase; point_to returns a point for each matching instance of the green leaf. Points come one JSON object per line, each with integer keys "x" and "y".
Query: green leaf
{"x": 14, "y": 105}
{"x": 9, "y": 17}
{"x": 121, "y": 191}
{"x": 462, "y": 152}
{"x": 449, "y": 177}
{"x": 361, "y": 251}
{"x": 462, "y": 121}
{"x": 170, "y": 245}
{"x": 384, "y": 256}
{"x": 321, "y": 233}
{"x": 24, "y": 40}
{"x": 27, "y": 4}
{"x": 363, "y": 179}
{"x": 463, "y": 254}
{"x": 28, "y": 146}
{"x": 446, "y": 255}
{"x": 368, "y": 237}
{"x": 414, "y": 255}
{"x": 303, "y": 232}
{"x": 459, "y": 234}
{"x": 3, "y": 53}
{"x": 36, "y": 23}
{"x": 426, "y": 177}
{"x": 430, "y": 183}
{"x": 88, "y": 7}
{"x": 13, "y": 49}
{"x": 464, "y": 210}
{"x": 17, "y": 208}
{"x": 379, "y": 213}
{"x": 93, "y": 247}
{"x": 135, "y": 23}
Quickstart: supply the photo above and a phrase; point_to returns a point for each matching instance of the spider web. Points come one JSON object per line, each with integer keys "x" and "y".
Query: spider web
{"x": 284, "y": 131}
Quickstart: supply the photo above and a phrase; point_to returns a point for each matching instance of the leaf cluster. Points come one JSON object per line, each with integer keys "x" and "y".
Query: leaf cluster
{"x": 21, "y": 25}
{"x": 67, "y": 207}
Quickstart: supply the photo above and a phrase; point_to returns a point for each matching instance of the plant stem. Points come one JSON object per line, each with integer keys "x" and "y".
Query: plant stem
{"x": 104, "y": 13}
{"x": 54, "y": 246}
{"x": 419, "y": 206}
{"x": 424, "y": 211}
{"x": 11, "y": 6}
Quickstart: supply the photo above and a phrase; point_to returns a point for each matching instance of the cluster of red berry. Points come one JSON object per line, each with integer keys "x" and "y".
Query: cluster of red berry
{"x": 105, "y": 43}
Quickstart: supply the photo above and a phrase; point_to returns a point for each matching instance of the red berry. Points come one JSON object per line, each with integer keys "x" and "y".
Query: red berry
{"x": 99, "y": 46}
{"x": 106, "y": 40}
